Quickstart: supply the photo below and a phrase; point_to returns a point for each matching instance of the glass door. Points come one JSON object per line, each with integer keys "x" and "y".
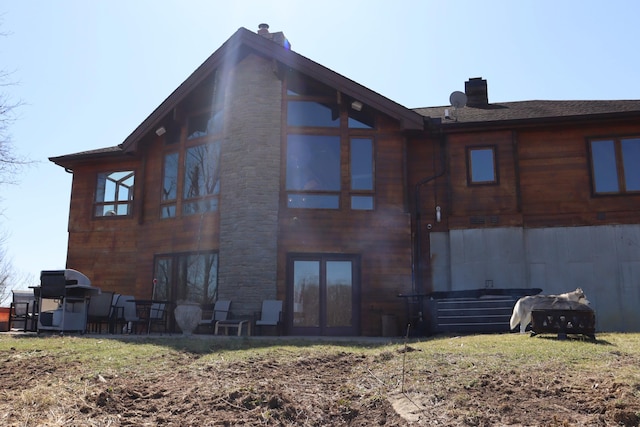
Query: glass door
{"x": 323, "y": 295}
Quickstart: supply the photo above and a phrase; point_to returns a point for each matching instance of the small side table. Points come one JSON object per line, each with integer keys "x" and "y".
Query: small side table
{"x": 233, "y": 323}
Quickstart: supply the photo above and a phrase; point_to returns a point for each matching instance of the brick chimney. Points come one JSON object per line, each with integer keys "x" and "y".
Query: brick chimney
{"x": 263, "y": 30}
{"x": 477, "y": 92}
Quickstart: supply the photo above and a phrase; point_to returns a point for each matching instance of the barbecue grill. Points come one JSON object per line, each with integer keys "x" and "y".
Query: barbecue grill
{"x": 64, "y": 299}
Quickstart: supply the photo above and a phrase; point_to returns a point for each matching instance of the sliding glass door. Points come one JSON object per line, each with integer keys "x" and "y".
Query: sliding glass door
{"x": 323, "y": 294}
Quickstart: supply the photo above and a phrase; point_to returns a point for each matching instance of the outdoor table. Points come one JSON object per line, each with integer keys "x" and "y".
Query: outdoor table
{"x": 143, "y": 310}
{"x": 233, "y": 323}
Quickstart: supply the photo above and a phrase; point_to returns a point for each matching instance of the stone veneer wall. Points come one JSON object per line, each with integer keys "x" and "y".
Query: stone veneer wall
{"x": 250, "y": 185}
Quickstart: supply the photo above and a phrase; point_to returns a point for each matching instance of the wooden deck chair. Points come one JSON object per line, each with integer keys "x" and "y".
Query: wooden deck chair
{"x": 271, "y": 315}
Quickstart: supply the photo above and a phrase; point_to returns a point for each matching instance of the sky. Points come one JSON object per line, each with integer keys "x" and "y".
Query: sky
{"x": 87, "y": 73}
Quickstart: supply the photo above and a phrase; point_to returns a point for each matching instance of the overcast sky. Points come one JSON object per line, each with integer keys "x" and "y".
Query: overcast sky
{"x": 89, "y": 72}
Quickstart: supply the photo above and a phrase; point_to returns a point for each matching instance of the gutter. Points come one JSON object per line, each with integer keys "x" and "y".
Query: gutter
{"x": 417, "y": 247}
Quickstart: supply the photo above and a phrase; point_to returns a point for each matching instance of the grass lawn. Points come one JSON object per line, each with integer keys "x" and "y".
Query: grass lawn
{"x": 475, "y": 380}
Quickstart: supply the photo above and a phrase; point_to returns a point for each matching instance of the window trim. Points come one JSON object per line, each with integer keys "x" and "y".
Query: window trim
{"x": 469, "y": 164}
{"x": 175, "y": 275}
{"x": 344, "y": 132}
{"x": 129, "y": 203}
{"x": 619, "y": 164}
{"x": 209, "y": 200}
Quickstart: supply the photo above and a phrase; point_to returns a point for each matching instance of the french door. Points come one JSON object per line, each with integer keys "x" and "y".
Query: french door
{"x": 323, "y": 294}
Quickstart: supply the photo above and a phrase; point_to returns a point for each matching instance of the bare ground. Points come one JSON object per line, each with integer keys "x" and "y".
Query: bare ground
{"x": 339, "y": 388}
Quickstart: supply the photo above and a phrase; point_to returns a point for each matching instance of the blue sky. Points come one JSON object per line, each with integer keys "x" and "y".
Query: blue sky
{"x": 88, "y": 72}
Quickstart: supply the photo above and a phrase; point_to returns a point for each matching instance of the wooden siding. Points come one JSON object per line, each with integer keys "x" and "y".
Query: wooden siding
{"x": 117, "y": 253}
{"x": 544, "y": 180}
{"x": 382, "y": 237}
{"x": 473, "y": 203}
{"x": 555, "y": 179}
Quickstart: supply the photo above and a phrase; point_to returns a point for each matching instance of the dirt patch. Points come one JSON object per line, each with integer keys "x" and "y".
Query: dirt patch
{"x": 308, "y": 391}
{"x": 340, "y": 388}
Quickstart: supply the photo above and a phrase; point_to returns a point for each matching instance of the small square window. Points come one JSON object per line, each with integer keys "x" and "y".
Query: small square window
{"x": 481, "y": 165}
{"x": 114, "y": 194}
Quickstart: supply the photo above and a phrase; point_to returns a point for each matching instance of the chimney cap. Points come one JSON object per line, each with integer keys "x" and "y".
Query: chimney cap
{"x": 263, "y": 29}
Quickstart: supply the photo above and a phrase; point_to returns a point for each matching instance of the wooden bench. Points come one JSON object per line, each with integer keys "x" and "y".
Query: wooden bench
{"x": 473, "y": 311}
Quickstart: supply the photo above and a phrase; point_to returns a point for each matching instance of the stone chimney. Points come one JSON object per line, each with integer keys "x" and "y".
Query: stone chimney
{"x": 476, "y": 91}
{"x": 263, "y": 30}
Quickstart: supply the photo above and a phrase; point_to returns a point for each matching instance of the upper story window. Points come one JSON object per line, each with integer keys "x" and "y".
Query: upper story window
{"x": 114, "y": 194}
{"x": 481, "y": 165}
{"x": 208, "y": 123}
{"x": 309, "y": 113}
{"x": 170, "y": 185}
{"x": 313, "y": 170}
{"x": 330, "y": 157}
{"x": 191, "y": 171}
{"x": 361, "y": 170}
{"x": 614, "y": 165}
{"x": 201, "y": 178}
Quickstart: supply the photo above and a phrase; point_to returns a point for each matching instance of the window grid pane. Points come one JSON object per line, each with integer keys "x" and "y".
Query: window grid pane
{"x": 313, "y": 163}
{"x": 482, "y": 165}
{"x": 114, "y": 193}
{"x": 605, "y": 173}
{"x": 361, "y": 164}
{"x": 631, "y": 163}
{"x": 170, "y": 181}
{"x": 306, "y": 293}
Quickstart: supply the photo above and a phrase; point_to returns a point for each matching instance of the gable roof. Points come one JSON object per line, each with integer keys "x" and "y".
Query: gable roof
{"x": 245, "y": 39}
{"x": 234, "y": 48}
{"x": 531, "y": 112}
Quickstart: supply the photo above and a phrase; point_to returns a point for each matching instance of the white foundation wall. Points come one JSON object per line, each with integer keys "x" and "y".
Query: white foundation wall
{"x": 604, "y": 261}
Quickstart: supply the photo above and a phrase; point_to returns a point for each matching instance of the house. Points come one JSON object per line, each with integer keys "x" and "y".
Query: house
{"x": 268, "y": 176}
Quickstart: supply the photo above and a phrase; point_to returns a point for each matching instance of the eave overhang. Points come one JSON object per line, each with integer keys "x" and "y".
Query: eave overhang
{"x": 244, "y": 41}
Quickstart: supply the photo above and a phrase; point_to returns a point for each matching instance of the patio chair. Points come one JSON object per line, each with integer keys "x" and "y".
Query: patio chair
{"x": 221, "y": 310}
{"x": 127, "y": 319}
{"x": 23, "y": 311}
{"x": 158, "y": 316}
{"x": 271, "y": 315}
{"x": 99, "y": 311}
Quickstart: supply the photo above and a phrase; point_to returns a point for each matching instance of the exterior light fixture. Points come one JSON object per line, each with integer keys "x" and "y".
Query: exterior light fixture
{"x": 161, "y": 131}
{"x": 356, "y": 105}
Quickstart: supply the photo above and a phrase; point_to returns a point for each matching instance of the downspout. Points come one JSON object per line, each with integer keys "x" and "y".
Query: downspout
{"x": 417, "y": 283}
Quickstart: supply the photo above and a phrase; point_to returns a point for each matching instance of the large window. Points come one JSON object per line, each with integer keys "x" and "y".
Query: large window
{"x": 201, "y": 178}
{"x": 114, "y": 194}
{"x": 481, "y": 165}
{"x": 313, "y": 171}
{"x": 330, "y": 148}
{"x": 614, "y": 165}
{"x": 191, "y": 171}
{"x": 188, "y": 277}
